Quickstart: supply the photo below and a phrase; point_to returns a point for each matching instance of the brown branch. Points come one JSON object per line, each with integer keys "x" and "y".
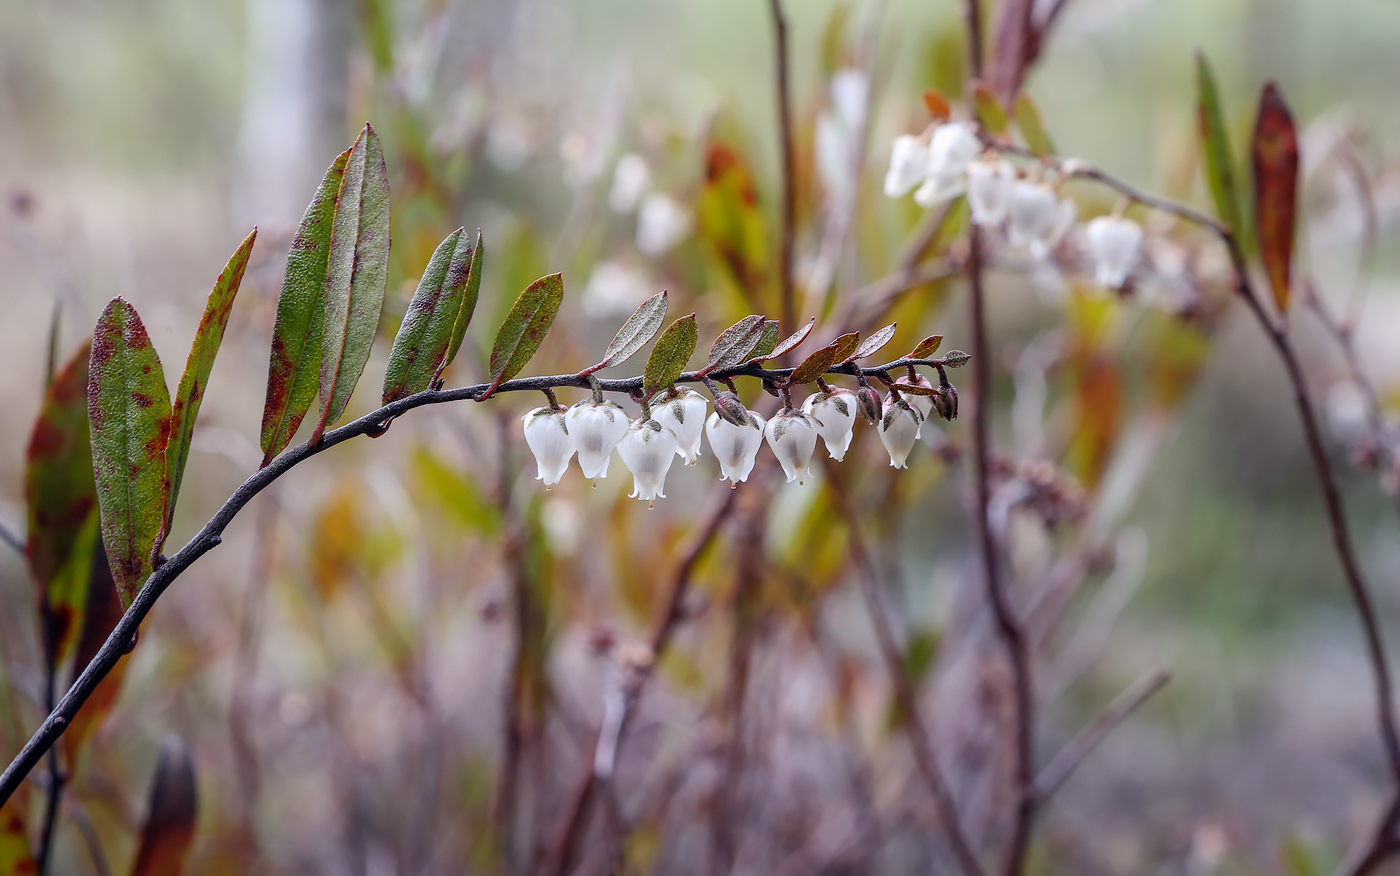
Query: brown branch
{"x": 788, "y": 309}
{"x": 1062, "y": 765}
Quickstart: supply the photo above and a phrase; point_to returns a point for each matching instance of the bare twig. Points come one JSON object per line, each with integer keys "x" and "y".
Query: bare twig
{"x": 1062, "y": 765}
{"x": 780, "y": 74}
{"x": 11, "y": 538}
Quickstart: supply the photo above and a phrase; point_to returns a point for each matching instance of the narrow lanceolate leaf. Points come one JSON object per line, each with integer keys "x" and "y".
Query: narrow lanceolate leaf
{"x": 1275, "y": 157}
{"x": 356, "y": 274}
{"x": 198, "y": 366}
{"x": 735, "y": 343}
{"x": 15, "y": 857}
{"x": 62, "y": 500}
{"x": 424, "y": 342}
{"x": 989, "y": 110}
{"x": 845, "y": 345}
{"x": 169, "y": 828}
{"x": 926, "y": 348}
{"x": 129, "y": 415}
{"x": 464, "y": 316}
{"x": 792, "y": 340}
{"x": 1215, "y": 147}
{"x": 294, "y": 372}
{"x": 871, "y": 345}
{"x": 525, "y": 327}
{"x": 767, "y": 341}
{"x": 1032, "y": 127}
{"x": 672, "y": 351}
{"x": 915, "y": 389}
{"x": 640, "y": 327}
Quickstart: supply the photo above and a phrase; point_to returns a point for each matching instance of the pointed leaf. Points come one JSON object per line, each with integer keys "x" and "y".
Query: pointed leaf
{"x": 990, "y": 112}
{"x": 62, "y": 500}
{"x": 846, "y": 345}
{"x": 294, "y": 369}
{"x": 767, "y": 341}
{"x": 51, "y": 358}
{"x": 198, "y": 366}
{"x": 792, "y": 340}
{"x": 129, "y": 415}
{"x": 169, "y": 828}
{"x": 926, "y": 348}
{"x": 1215, "y": 147}
{"x": 735, "y": 343}
{"x": 356, "y": 274}
{"x": 1275, "y": 156}
{"x": 937, "y": 104}
{"x": 464, "y": 315}
{"x": 16, "y": 859}
{"x": 670, "y": 355}
{"x": 525, "y": 327}
{"x": 424, "y": 342}
{"x": 820, "y": 362}
{"x": 872, "y": 344}
{"x": 916, "y": 389}
{"x": 1032, "y": 127}
{"x": 640, "y": 327}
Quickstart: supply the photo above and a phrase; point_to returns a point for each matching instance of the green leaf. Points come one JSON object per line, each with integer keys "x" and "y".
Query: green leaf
{"x": 640, "y": 327}
{"x": 735, "y": 343}
{"x": 990, "y": 112}
{"x": 872, "y": 344}
{"x": 15, "y": 857}
{"x": 926, "y": 348}
{"x": 356, "y": 274}
{"x": 170, "y": 820}
{"x": 1215, "y": 147}
{"x": 424, "y": 342}
{"x": 294, "y": 369}
{"x": 129, "y": 415}
{"x": 767, "y": 342}
{"x": 464, "y": 315}
{"x": 1275, "y": 157}
{"x": 1032, "y": 126}
{"x": 62, "y": 502}
{"x": 791, "y": 340}
{"x": 670, "y": 355}
{"x": 815, "y": 365}
{"x": 198, "y": 366}
{"x": 524, "y": 328}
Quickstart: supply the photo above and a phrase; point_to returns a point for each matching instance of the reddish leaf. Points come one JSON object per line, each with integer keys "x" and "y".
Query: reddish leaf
{"x": 937, "y": 104}
{"x": 729, "y": 221}
{"x": 169, "y": 828}
{"x": 792, "y": 340}
{"x": 845, "y": 345}
{"x": 1275, "y": 158}
{"x": 1015, "y": 47}
{"x": 820, "y": 361}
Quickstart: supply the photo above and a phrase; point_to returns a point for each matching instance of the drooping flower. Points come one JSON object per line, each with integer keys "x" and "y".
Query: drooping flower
{"x": 899, "y": 429}
{"x": 908, "y": 165}
{"x": 684, "y": 415}
{"x": 924, "y": 403}
{"x": 661, "y": 223}
{"x": 952, "y": 149}
{"x": 793, "y": 437}
{"x": 834, "y": 413}
{"x": 631, "y": 179}
{"x": 989, "y": 183}
{"x": 1114, "y": 244}
{"x": 548, "y": 437}
{"x": 647, "y": 450}
{"x": 1038, "y": 218}
{"x": 735, "y": 446}
{"x": 595, "y": 427}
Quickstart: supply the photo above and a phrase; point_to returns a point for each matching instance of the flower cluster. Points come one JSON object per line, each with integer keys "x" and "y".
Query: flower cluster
{"x": 675, "y": 422}
{"x": 949, "y": 160}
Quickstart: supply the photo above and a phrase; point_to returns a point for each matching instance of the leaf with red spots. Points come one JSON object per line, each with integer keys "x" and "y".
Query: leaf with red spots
{"x": 1275, "y": 158}
{"x": 129, "y": 415}
{"x": 170, "y": 822}
{"x": 927, "y": 347}
{"x": 444, "y": 302}
{"x": 355, "y": 275}
{"x": 295, "y": 366}
{"x": 62, "y": 500}
{"x": 15, "y": 857}
{"x": 198, "y": 366}
{"x": 820, "y": 361}
{"x": 524, "y": 328}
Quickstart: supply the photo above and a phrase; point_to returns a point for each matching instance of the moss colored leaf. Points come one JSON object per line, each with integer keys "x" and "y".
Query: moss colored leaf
{"x": 525, "y": 327}
{"x": 1032, "y": 127}
{"x": 356, "y": 274}
{"x": 845, "y": 345}
{"x": 170, "y": 821}
{"x": 294, "y": 370}
{"x": 990, "y": 112}
{"x": 129, "y": 415}
{"x": 1275, "y": 159}
{"x": 1215, "y": 147}
{"x": 871, "y": 345}
{"x": 670, "y": 355}
{"x": 444, "y": 299}
{"x": 464, "y": 316}
{"x": 926, "y": 348}
{"x": 198, "y": 366}
{"x": 16, "y": 859}
{"x": 767, "y": 341}
{"x": 736, "y": 343}
{"x": 640, "y": 327}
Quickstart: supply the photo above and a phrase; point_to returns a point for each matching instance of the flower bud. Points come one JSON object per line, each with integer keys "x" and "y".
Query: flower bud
{"x": 924, "y": 403}
{"x": 834, "y": 413}
{"x": 548, "y": 437}
{"x": 735, "y": 446}
{"x": 899, "y": 429}
{"x": 952, "y": 149}
{"x": 684, "y": 415}
{"x": 869, "y": 399}
{"x": 908, "y": 164}
{"x": 793, "y": 437}
{"x": 596, "y": 427}
{"x": 989, "y": 182}
{"x": 946, "y": 402}
{"x": 730, "y": 409}
{"x": 1114, "y": 244}
{"x": 647, "y": 450}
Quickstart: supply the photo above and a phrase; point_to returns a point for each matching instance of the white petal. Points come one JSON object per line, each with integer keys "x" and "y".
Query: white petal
{"x": 548, "y": 438}
{"x": 647, "y": 450}
{"x": 595, "y": 429}
{"x": 899, "y": 429}
{"x": 685, "y": 417}
{"x": 939, "y": 190}
{"x": 908, "y": 165}
{"x": 631, "y": 179}
{"x": 793, "y": 437}
{"x": 849, "y": 88}
{"x": 952, "y": 149}
{"x": 735, "y": 446}
{"x": 1031, "y": 216}
{"x": 661, "y": 223}
{"x": 1114, "y": 244}
{"x": 834, "y": 414}
{"x": 989, "y": 184}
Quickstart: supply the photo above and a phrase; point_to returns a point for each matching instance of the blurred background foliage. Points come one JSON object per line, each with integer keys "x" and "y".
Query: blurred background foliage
{"x": 342, "y": 667}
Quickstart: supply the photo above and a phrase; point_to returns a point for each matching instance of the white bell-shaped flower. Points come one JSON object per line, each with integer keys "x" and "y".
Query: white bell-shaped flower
{"x": 952, "y": 149}
{"x": 631, "y": 179}
{"x": 834, "y": 414}
{"x": 684, "y": 415}
{"x": 1038, "y": 218}
{"x": 548, "y": 437}
{"x": 989, "y": 184}
{"x": 793, "y": 437}
{"x": 899, "y": 429}
{"x": 662, "y": 222}
{"x": 647, "y": 450}
{"x": 908, "y": 165}
{"x": 1114, "y": 244}
{"x": 924, "y": 403}
{"x": 595, "y": 427}
{"x": 735, "y": 446}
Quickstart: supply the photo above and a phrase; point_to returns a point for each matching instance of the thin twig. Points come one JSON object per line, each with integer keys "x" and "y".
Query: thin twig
{"x": 1062, "y": 765}
{"x": 11, "y": 538}
{"x": 56, "y": 777}
{"x": 789, "y": 227}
